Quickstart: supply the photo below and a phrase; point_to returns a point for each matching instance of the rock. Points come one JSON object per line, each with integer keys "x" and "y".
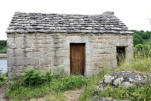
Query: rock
{"x": 118, "y": 81}
{"x": 127, "y": 84}
{"x": 108, "y": 79}
{"x": 122, "y": 78}
{"x": 101, "y": 82}
{"x": 96, "y": 98}
{"x": 117, "y": 78}
{"x": 99, "y": 88}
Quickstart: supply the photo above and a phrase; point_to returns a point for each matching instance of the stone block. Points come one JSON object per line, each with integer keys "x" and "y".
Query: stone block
{"x": 10, "y": 52}
{"x": 11, "y": 61}
{"x": 19, "y": 52}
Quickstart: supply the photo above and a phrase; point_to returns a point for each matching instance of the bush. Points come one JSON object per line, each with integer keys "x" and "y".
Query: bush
{"x": 137, "y": 39}
{"x": 33, "y": 78}
{"x": 146, "y": 35}
{"x": 139, "y": 47}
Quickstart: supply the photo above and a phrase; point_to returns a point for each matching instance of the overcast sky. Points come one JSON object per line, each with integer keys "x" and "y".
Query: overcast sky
{"x": 136, "y": 14}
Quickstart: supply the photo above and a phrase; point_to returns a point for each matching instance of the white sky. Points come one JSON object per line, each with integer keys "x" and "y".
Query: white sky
{"x": 136, "y": 14}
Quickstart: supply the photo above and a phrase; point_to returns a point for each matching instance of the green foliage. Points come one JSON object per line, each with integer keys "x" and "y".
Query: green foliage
{"x": 3, "y": 46}
{"x": 139, "y": 46}
{"x": 35, "y": 84}
{"x": 140, "y": 37}
{"x": 134, "y": 93}
{"x": 34, "y": 78}
{"x": 142, "y": 50}
{"x": 137, "y": 39}
{"x": 69, "y": 82}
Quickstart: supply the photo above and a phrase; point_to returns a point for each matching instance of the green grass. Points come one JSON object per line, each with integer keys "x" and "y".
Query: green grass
{"x": 134, "y": 93}
{"x": 139, "y": 63}
{"x": 56, "y": 87}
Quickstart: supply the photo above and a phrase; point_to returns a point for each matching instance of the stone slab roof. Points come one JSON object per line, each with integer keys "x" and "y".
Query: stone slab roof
{"x": 69, "y": 23}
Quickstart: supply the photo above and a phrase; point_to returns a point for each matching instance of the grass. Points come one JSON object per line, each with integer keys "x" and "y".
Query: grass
{"x": 134, "y": 93}
{"x": 54, "y": 90}
{"x": 88, "y": 91}
{"x": 55, "y": 87}
{"x": 139, "y": 63}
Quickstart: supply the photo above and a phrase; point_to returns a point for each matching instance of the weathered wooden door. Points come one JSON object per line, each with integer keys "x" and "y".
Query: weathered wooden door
{"x": 77, "y": 55}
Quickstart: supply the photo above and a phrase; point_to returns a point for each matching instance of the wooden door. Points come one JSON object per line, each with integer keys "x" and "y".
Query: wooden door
{"x": 77, "y": 56}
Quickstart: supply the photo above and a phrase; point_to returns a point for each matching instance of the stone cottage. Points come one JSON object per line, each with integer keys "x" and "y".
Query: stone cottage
{"x": 79, "y": 44}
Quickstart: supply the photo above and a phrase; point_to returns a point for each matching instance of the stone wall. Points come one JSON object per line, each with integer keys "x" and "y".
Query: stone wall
{"x": 52, "y": 51}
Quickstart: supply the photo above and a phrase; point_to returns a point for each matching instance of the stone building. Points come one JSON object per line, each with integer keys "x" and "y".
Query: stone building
{"x": 79, "y": 44}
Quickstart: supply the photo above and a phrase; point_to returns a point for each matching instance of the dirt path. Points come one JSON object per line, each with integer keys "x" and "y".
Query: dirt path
{"x": 2, "y": 93}
{"x": 72, "y": 95}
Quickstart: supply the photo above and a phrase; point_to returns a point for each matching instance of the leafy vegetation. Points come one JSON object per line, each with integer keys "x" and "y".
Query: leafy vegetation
{"x": 35, "y": 78}
{"x": 36, "y": 84}
{"x": 3, "y": 46}
{"x": 141, "y": 37}
{"x": 134, "y": 93}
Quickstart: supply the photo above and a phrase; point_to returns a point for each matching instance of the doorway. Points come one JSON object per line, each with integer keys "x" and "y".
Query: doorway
{"x": 120, "y": 54}
{"x": 77, "y": 58}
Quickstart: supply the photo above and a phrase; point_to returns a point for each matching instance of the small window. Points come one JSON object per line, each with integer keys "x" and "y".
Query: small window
{"x": 120, "y": 54}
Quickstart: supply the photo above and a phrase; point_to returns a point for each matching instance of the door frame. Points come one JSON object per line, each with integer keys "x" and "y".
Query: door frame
{"x": 84, "y": 56}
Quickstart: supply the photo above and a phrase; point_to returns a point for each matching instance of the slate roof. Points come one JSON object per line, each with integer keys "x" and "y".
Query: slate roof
{"x": 69, "y": 23}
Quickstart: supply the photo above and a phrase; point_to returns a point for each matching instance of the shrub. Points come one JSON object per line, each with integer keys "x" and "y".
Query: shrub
{"x": 33, "y": 78}
{"x": 137, "y": 39}
{"x": 146, "y": 35}
{"x": 139, "y": 47}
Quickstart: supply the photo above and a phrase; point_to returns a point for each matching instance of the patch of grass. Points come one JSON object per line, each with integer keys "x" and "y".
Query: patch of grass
{"x": 139, "y": 63}
{"x": 134, "y": 93}
{"x": 91, "y": 86}
{"x": 22, "y": 89}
